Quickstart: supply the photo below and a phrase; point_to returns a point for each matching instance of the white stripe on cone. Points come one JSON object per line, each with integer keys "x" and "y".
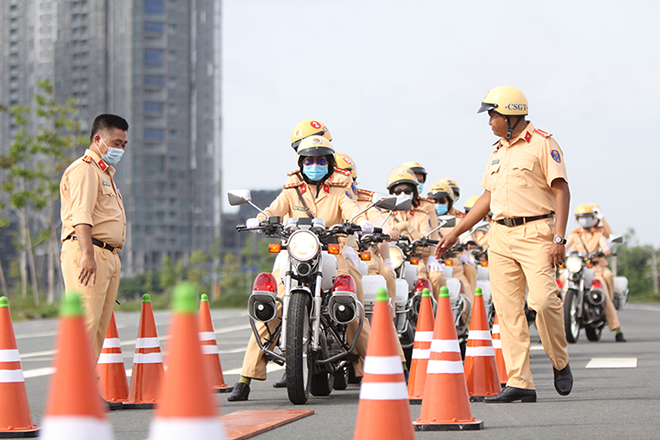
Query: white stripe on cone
{"x": 383, "y": 391}
{"x": 207, "y": 336}
{"x": 480, "y": 351}
{"x": 111, "y": 343}
{"x": 444, "y": 367}
{"x": 147, "y": 358}
{"x": 496, "y": 328}
{"x": 479, "y": 335}
{"x": 111, "y": 358}
{"x": 75, "y": 428}
{"x": 420, "y": 353}
{"x": 10, "y": 355}
{"x": 147, "y": 343}
{"x": 497, "y": 343}
{"x": 382, "y": 365}
{"x": 445, "y": 346}
{"x": 209, "y": 349}
{"x": 177, "y": 428}
{"x": 423, "y": 336}
{"x": 11, "y": 376}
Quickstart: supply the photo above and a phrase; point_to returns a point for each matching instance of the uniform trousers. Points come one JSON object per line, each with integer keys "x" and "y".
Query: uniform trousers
{"x": 607, "y": 279}
{"x": 98, "y": 300}
{"x": 519, "y": 256}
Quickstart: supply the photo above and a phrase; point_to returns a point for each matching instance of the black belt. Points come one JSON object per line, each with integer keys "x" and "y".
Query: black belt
{"x": 98, "y": 243}
{"x": 517, "y": 221}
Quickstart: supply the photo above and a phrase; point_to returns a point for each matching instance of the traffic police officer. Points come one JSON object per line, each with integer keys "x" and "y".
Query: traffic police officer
{"x": 525, "y": 186}
{"x": 94, "y": 225}
{"x": 590, "y": 240}
{"x": 316, "y": 190}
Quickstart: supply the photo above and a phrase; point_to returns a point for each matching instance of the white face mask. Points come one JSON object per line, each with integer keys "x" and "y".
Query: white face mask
{"x": 587, "y": 222}
{"x": 113, "y": 156}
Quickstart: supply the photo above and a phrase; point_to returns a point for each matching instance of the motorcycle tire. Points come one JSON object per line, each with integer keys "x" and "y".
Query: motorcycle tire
{"x": 594, "y": 334}
{"x": 341, "y": 379}
{"x": 298, "y": 349}
{"x": 321, "y": 384}
{"x": 571, "y": 324}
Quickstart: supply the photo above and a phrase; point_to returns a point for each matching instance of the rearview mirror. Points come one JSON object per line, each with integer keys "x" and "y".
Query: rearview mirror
{"x": 239, "y": 197}
{"x": 447, "y": 221}
{"x": 385, "y": 201}
{"x": 403, "y": 203}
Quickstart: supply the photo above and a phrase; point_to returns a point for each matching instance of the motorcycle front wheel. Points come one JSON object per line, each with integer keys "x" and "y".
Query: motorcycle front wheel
{"x": 571, "y": 324}
{"x": 298, "y": 336}
{"x": 593, "y": 334}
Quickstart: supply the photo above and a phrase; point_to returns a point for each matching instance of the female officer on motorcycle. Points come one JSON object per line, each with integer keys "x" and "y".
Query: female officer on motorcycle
{"x": 590, "y": 239}
{"x": 315, "y": 190}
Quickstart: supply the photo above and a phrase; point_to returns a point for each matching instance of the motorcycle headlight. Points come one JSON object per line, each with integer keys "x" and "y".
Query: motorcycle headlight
{"x": 303, "y": 246}
{"x": 396, "y": 256}
{"x": 573, "y": 264}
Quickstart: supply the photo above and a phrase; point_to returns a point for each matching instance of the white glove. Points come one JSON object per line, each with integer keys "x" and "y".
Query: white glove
{"x": 349, "y": 254}
{"x": 253, "y": 223}
{"x": 464, "y": 259}
{"x": 389, "y": 263}
{"x": 367, "y": 227}
{"x": 432, "y": 264}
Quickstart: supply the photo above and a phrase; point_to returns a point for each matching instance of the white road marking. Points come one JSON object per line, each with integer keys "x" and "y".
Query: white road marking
{"x": 535, "y": 346}
{"x": 272, "y": 366}
{"x": 612, "y": 363}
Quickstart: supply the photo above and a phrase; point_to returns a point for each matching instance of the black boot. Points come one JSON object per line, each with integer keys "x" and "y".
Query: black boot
{"x": 511, "y": 394}
{"x": 240, "y": 392}
{"x": 563, "y": 380}
{"x": 281, "y": 383}
{"x": 619, "y": 337}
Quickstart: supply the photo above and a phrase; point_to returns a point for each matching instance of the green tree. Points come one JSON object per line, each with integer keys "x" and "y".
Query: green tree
{"x": 231, "y": 280}
{"x": 633, "y": 263}
{"x": 167, "y": 276}
{"x": 197, "y": 271}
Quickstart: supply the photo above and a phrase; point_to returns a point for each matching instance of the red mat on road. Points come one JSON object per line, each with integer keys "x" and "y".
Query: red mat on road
{"x": 246, "y": 424}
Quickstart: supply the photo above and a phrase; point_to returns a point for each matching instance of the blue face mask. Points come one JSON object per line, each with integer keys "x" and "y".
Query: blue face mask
{"x": 113, "y": 156}
{"x": 441, "y": 209}
{"x": 315, "y": 172}
{"x": 420, "y": 188}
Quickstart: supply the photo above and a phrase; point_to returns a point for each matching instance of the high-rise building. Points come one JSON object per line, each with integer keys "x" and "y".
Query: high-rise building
{"x": 157, "y": 64}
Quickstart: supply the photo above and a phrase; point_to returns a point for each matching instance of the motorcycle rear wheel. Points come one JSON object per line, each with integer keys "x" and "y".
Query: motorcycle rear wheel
{"x": 341, "y": 379}
{"x": 594, "y": 334}
{"x": 571, "y": 324}
{"x": 322, "y": 384}
{"x": 298, "y": 349}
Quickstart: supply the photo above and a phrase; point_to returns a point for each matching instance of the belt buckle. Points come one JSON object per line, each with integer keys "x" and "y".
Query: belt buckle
{"x": 509, "y": 222}
{"x": 115, "y": 250}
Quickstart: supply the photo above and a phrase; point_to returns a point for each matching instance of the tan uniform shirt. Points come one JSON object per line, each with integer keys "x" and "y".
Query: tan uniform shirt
{"x": 428, "y": 206}
{"x": 336, "y": 201}
{"x": 417, "y": 219}
{"x": 89, "y": 196}
{"x": 594, "y": 240}
{"x": 520, "y": 173}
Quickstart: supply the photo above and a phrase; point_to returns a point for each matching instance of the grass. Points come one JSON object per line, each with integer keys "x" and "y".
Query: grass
{"x": 644, "y": 298}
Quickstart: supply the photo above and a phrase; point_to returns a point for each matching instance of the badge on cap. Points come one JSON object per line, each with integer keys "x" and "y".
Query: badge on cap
{"x": 298, "y": 133}
{"x": 556, "y": 156}
{"x": 315, "y": 124}
{"x": 316, "y": 140}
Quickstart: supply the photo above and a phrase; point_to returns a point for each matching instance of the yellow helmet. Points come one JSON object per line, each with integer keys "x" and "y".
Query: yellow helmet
{"x": 416, "y": 168}
{"x": 454, "y": 186}
{"x": 346, "y": 163}
{"x": 399, "y": 175}
{"x": 584, "y": 210}
{"x": 315, "y": 146}
{"x": 308, "y": 127}
{"x": 470, "y": 203}
{"x": 440, "y": 190}
{"x": 505, "y": 100}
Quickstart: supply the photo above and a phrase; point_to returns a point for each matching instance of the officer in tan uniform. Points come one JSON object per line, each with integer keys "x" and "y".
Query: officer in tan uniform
{"x": 525, "y": 186}
{"x": 588, "y": 239}
{"x": 94, "y": 225}
{"x": 316, "y": 190}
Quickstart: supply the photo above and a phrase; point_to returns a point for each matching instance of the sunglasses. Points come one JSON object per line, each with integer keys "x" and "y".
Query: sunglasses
{"x": 321, "y": 161}
{"x": 406, "y": 191}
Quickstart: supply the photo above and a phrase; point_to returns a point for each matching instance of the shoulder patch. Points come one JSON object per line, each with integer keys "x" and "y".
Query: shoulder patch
{"x": 542, "y": 133}
{"x": 556, "y": 156}
{"x": 293, "y": 185}
{"x": 87, "y": 159}
{"x": 365, "y": 192}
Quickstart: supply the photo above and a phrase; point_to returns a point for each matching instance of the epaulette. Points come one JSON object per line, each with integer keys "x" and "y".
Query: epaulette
{"x": 542, "y": 133}
{"x": 341, "y": 171}
{"x": 292, "y": 172}
{"x": 364, "y": 195}
{"x": 427, "y": 200}
{"x": 87, "y": 159}
{"x": 342, "y": 178}
{"x": 460, "y": 214}
{"x": 361, "y": 191}
{"x": 293, "y": 185}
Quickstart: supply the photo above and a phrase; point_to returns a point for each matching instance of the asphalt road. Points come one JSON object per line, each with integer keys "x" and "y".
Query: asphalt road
{"x": 619, "y": 399}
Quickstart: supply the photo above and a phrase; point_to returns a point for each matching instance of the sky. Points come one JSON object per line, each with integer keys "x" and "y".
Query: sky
{"x": 402, "y": 81}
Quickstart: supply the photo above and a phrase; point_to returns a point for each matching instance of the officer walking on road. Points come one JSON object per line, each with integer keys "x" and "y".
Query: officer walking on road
{"x": 526, "y": 188}
{"x": 94, "y": 225}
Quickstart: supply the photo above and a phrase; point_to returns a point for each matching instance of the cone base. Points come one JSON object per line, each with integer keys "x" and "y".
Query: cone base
{"x": 462, "y": 426}
{"x": 138, "y": 405}
{"x": 26, "y": 433}
{"x": 477, "y": 398}
{"x": 415, "y": 401}
{"x": 223, "y": 389}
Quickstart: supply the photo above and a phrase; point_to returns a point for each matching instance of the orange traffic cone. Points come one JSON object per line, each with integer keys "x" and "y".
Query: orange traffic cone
{"x": 499, "y": 356}
{"x": 148, "y": 367}
{"x": 421, "y": 349}
{"x": 113, "y": 384}
{"x": 74, "y": 410}
{"x": 210, "y": 348}
{"x": 384, "y": 411}
{"x": 15, "y": 415}
{"x": 186, "y": 408}
{"x": 480, "y": 365}
{"x": 445, "y": 405}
